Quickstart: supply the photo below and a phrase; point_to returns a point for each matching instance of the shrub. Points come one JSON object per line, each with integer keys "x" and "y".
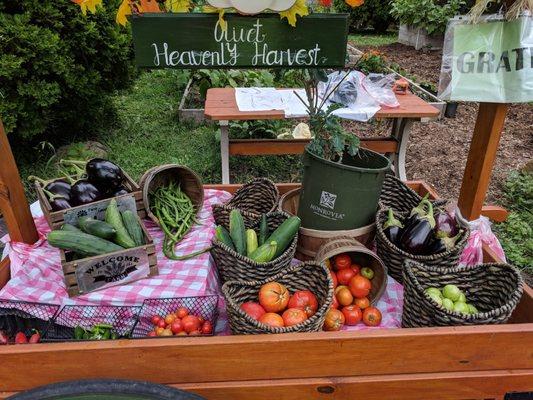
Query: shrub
{"x": 56, "y": 66}
{"x": 373, "y": 13}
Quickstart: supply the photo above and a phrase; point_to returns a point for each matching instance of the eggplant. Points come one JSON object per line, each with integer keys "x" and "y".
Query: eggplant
{"x": 416, "y": 238}
{"x": 104, "y": 174}
{"x": 60, "y": 203}
{"x": 84, "y": 192}
{"x": 120, "y": 191}
{"x": 392, "y": 227}
{"x": 442, "y": 243}
{"x": 60, "y": 187}
{"x": 445, "y": 225}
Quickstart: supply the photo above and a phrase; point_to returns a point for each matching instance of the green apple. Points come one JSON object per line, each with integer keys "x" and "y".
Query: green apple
{"x": 462, "y": 298}
{"x": 435, "y": 297}
{"x": 451, "y": 292}
{"x": 472, "y": 309}
{"x": 461, "y": 308}
{"x": 367, "y": 272}
{"x": 447, "y": 304}
{"x": 433, "y": 290}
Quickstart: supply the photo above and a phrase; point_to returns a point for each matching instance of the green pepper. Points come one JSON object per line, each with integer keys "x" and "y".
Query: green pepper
{"x": 79, "y": 333}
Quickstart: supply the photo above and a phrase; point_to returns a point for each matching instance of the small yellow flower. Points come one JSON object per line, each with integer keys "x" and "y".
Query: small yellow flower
{"x": 88, "y": 5}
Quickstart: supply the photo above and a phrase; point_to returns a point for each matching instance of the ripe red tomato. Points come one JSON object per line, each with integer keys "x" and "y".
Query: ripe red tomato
{"x": 274, "y": 297}
{"x": 190, "y": 323}
{"x": 344, "y": 275}
{"x": 161, "y": 323}
{"x": 344, "y": 296}
{"x": 170, "y": 318}
{"x": 176, "y": 326}
{"x": 334, "y": 279}
{"x": 201, "y": 319}
{"x": 352, "y": 315}
{"x": 195, "y": 333}
{"x": 362, "y": 303}
{"x": 356, "y": 268}
{"x": 342, "y": 261}
{"x": 182, "y": 333}
{"x": 159, "y": 331}
{"x": 254, "y": 310}
{"x": 335, "y": 304}
{"x": 272, "y": 319}
{"x": 360, "y": 286}
{"x": 182, "y": 312}
{"x": 334, "y": 320}
{"x": 293, "y": 316}
{"x": 152, "y": 334}
{"x": 207, "y": 328}
{"x": 155, "y": 320}
{"x": 304, "y": 300}
{"x": 372, "y": 316}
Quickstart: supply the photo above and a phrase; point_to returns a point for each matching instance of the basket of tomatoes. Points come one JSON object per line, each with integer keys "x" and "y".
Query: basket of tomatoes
{"x": 295, "y": 300}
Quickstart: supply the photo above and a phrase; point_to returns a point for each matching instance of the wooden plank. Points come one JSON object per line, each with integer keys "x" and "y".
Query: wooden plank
{"x": 5, "y": 273}
{"x": 465, "y": 385}
{"x": 253, "y": 147}
{"x": 487, "y": 133}
{"x": 264, "y": 357}
{"x": 495, "y": 213}
{"x": 13, "y": 203}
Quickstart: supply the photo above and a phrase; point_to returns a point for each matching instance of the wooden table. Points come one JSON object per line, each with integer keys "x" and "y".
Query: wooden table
{"x": 221, "y": 106}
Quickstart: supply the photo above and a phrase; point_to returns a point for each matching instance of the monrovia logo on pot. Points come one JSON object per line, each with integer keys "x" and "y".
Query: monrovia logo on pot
{"x": 328, "y": 200}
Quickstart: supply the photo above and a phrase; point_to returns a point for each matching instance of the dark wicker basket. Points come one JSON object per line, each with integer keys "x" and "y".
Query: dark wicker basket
{"x": 494, "y": 289}
{"x": 401, "y": 198}
{"x": 253, "y": 199}
{"x": 394, "y": 257}
{"x": 233, "y": 266}
{"x": 307, "y": 276}
{"x": 26, "y": 317}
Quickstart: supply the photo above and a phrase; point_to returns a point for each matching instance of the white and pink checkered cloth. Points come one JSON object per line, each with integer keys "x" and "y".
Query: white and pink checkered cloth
{"x": 37, "y": 276}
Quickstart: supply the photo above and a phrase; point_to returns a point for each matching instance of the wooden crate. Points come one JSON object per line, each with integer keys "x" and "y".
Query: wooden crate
{"x": 90, "y": 274}
{"x": 56, "y": 219}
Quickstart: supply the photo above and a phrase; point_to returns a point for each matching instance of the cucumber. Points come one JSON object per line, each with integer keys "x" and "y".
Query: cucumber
{"x": 70, "y": 228}
{"x": 237, "y": 231}
{"x": 113, "y": 218}
{"x": 265, "y": 253}
{"x": 284, "y": 235}
{"x": 222, "y": 235}
{"x": 263, "y": 230}
{"x": 131, "y": 222}
{"x": 82, "y": 243}
{"x": 251, "y": 242}
{"x": 97, "y": 228}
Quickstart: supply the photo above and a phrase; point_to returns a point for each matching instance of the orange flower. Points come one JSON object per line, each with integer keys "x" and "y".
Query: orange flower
{"x": 355, "y": 3}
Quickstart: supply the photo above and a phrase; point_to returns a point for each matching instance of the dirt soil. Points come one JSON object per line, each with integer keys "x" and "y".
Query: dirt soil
{"x": 438, "y": 150}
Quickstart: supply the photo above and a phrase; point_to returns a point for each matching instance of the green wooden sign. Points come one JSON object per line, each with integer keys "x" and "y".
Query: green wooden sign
{"x": 193, "y": 41}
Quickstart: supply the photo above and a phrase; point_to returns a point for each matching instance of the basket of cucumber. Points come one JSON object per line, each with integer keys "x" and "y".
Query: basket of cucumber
{"x": 256, "y": 249}
{"x": 100, "y": 250}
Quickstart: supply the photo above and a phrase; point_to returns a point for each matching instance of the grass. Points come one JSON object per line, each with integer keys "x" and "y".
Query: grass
{"x": 361, "y": 39}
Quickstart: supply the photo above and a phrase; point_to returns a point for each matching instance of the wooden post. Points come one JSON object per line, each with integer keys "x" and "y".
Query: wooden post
{"x": 13, "y": 203}
{"x": 485, "y": 140}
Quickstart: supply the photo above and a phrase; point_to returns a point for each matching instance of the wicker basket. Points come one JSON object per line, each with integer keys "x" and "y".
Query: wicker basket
{"x": 394, "y": 257}
{"x": 307, "y": 276}
{"x": 253, "y": 199}
{"x": 190, "y": 184}
{"x": 494, "y": 289}
{"x": 233, "y": 266}
{"x": 401, "y": 198}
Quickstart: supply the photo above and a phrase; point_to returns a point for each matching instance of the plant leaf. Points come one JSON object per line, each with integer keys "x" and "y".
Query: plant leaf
{"x": 299, "y": 8}
{"x": 123, "y": 11}
{"x": 178, "y": 6}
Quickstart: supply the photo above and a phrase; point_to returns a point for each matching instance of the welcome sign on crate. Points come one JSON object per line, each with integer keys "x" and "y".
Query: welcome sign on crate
{"x": 193, "y": 41}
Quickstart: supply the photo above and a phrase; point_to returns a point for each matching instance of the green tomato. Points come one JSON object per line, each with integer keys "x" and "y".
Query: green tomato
{"x": 447, "y": 304}
{"x": 472, "y": 309}
{"x": 461, "y": 308}
{"x": 436, "y": 298}
{"x": 462, "y": 298}
{"x": 434, "y": 290}
{"x": 367, "y": 272}
{"x": 451, "y": 292}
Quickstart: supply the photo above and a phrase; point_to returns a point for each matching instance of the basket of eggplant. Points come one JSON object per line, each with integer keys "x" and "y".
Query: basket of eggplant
{"x": 426, "y": 234}
{"x": 84, "y": 184}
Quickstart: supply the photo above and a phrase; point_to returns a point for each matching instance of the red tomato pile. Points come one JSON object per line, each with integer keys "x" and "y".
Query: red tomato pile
{"x": 20, "y": 338}
{"x": 180, "y": 323}
{"x": 276, "y": 307}
{"x": 352, "y": 285}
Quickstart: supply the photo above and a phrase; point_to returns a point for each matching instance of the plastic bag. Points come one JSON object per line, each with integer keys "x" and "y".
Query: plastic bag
{"x": 379, "y": 87}
{"x": 481, "y": 233}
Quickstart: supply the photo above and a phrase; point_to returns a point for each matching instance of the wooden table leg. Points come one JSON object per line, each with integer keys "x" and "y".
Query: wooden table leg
{"x": 401, "y": 132}
{"x": 485, "y": 140}
{"x": 224, "y": 150}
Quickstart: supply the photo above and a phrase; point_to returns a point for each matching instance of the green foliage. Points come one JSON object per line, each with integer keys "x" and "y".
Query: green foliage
{"x": 430, "y": 15}
{"x": 214, "y": 78}
{"x": 516, "y": 234}
{"x": 373, "y": 13}
{"x": 56, "y": 66}
{"x": 366, "y": 39}
{"x": 372, "y": 62}
{"x": 258, "y": 129}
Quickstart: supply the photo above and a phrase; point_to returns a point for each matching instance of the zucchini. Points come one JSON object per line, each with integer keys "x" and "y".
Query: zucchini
{"x": 97, "y": 228}
{"x": 70, "y": 228}
{"x": 113, "y": 218}
{"x": 263, "y": 230}
{"x": 284, "y": 235}
{"x": 222, "y": 235}
{"x": 265, "y": 253}
{"x": 251, "y": 242}
{"x": 237, "y": 231}
{"x": 131, "y": 222}
{"x": 82, "y": 243}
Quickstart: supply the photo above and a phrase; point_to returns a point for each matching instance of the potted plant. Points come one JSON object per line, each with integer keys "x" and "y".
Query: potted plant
{"x": 341, "y": 182}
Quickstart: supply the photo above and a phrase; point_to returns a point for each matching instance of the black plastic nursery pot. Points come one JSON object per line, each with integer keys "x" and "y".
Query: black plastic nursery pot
{"x": 340, "y": 196}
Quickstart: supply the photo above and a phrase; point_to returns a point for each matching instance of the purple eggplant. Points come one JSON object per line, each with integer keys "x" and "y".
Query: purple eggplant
{"x": 84, "y": 192}
{"x": 120, "y": 191}
{"x": 60, "y": 187}
{"x": 445, "y": 225}
{"x": 442, "y": 243}
{"x": 392, "y": 227}
{"x": 104, "y": 174}
{"x": 60, "y": 203}
{"x": 416, "y": 237}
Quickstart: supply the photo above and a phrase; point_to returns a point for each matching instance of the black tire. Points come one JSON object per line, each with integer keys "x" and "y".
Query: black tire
{"x": 105, "y": 389}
